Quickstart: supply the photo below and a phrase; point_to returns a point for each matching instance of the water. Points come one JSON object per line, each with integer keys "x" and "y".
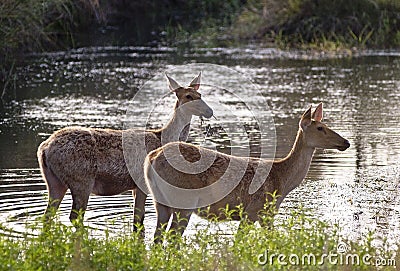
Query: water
{"x": 94, "y": 87}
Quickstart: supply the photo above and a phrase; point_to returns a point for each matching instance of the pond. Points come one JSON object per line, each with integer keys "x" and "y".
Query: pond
{"x": 95, "y": 87}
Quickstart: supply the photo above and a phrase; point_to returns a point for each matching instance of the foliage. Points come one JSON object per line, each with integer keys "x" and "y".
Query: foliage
{"x": 322, "y": 23}
{"x": 36, "y": 25}
{"x": 59, "y": 247}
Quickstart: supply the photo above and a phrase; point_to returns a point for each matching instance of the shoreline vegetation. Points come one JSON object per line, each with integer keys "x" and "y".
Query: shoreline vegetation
{"x": 44, "y": 25}
{"x": 340, "y": 26}
{"x": 295, "y": 242}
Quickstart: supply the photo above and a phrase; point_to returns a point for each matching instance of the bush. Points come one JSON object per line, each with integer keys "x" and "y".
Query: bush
{"x": 360, "y": 23}
{"x": 38, "y": 25}
{"x": 297, "y": 237}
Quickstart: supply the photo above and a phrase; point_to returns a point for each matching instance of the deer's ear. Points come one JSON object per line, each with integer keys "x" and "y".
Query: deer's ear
{"x": 305, "y": 120}
{"x": 196, "y": 82}
{"x": 172, "y": 84}
{"x": 318, "y": 114}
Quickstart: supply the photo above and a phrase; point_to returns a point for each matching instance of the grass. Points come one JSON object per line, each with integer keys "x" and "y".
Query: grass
{"x": 38, "y": 25}
{"x": 322, "y": 24}
{"x": 34, "y": 25}
{"x": 45, "y": 24}
{"x": 61, "y": 247}
{"x": 306, "y": 24}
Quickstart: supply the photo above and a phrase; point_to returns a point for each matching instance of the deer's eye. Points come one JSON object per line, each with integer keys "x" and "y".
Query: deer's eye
{"x": 189, "y": 97}
{"x": 320, "y": 128}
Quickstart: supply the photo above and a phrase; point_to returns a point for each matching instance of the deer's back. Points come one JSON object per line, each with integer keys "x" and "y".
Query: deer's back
{"x": 236, "y": 172}
{"x": 95, "y": 153}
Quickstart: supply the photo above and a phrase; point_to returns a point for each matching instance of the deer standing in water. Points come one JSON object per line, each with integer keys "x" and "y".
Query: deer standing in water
{"x": 285, "y": 174}
{"x": 92, "y": 160}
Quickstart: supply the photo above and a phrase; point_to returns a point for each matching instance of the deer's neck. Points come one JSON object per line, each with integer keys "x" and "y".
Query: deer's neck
{"x": 177, "y": 129}
{"x": 294, "y": 167}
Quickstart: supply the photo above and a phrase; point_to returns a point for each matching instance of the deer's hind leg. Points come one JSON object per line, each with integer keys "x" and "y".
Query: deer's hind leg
{"x": 163, "y": 216}
{"x": 56, "y": 190}
{"x": 80, "y": 191}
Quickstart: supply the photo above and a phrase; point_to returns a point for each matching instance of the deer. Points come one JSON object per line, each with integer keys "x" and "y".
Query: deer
{"x": 94, "y": 161}
{"x": 285, "y": 174}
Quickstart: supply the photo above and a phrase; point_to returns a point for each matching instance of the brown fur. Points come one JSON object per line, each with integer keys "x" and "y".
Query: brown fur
{"x": 285, "y": 174}
{"x": 91, "y": 160}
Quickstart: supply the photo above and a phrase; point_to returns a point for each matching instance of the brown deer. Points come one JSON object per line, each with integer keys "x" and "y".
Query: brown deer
{"x": 92, "y": 160}
{"x": 284, "y": 175}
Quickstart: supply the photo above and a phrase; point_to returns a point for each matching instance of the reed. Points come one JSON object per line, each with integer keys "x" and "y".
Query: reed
{"x": 324, "y": 23}
{"x": 31, "y": 26}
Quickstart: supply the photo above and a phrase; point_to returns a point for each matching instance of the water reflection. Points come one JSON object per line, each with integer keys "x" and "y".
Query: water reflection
{"x": 94, "y": 87}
